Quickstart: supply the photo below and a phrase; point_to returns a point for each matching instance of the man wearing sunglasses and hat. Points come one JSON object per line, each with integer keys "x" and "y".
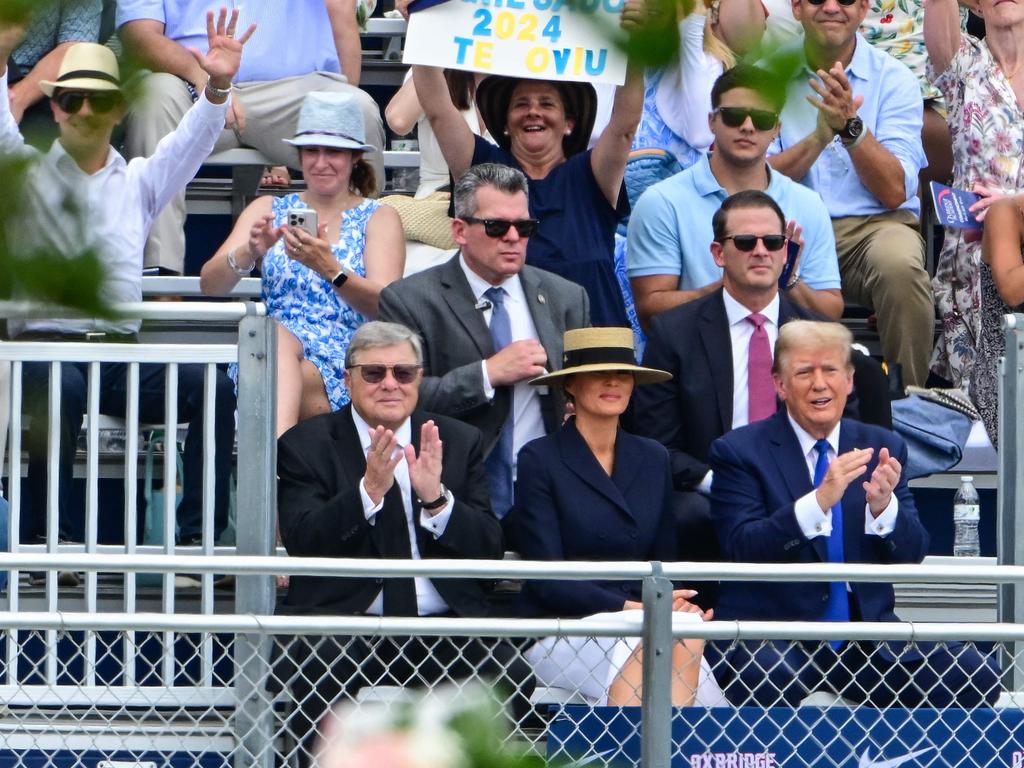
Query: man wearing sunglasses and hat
{"x": 491, "y": 323}
{"x": 382, "y": 479}
{"x": 82, "y": 196}
{"x": 851, "y": 131}
{"x": 670, "y": 232}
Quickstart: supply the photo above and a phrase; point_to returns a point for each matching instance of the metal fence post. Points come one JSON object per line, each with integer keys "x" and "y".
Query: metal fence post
{"x": 257, "y": 505}
{"x": 656, "y": 699}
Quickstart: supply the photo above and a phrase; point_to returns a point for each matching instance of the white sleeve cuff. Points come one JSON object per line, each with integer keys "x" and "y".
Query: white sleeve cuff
{"x": 705, "y": 484}
{"x": 370, "y": 509}
{"x": 488, "y": 389}
{"x": 809, "y": 516}
{"x": 885, "y": 523}
{"x": 437, "y": 524}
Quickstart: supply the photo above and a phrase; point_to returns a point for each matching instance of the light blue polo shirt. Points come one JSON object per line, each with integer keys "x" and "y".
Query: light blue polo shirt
{"x": 670, "y": 228}
{"x": 892, "y": 111}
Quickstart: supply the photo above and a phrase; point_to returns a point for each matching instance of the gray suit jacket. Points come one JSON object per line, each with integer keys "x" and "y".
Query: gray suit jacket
{"x": 439, "y": 305}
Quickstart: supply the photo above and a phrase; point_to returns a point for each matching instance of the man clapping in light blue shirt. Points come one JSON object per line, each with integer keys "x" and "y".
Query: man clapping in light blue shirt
{"x": 851, "y": 131}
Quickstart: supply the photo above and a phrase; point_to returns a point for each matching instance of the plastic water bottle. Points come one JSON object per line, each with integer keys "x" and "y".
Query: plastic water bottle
{"x": 405, "y": 180}
{"x": 966, "y": 515}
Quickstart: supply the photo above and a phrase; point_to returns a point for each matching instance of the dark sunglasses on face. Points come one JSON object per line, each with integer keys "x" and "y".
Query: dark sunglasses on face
{"x": 734, "y": 117}
{"x": 841, "y": 2}
{"x": 374, "y": 373}
{"x": 749, "y": 242}
{"x": 100, "y": 101}
{"x": 500, "y": 227}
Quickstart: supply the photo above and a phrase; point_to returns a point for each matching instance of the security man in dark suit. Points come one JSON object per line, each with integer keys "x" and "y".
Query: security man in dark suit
{"x": 381, "y": 479}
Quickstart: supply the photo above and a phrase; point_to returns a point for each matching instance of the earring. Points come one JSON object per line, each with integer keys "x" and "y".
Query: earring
{"x": 567, "y": 131}
{"x": 505, "y": 132}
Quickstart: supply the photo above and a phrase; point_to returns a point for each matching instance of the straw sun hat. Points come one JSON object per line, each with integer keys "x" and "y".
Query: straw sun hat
{"x": 86, "y": 67}
{"x": 590, "y": 350}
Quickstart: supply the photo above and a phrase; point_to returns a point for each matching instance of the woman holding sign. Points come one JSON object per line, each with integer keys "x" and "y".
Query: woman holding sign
{"x": 542, "y": 128}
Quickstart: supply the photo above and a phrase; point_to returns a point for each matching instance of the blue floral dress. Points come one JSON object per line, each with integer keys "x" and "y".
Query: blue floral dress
{"x": 307, "y": 305}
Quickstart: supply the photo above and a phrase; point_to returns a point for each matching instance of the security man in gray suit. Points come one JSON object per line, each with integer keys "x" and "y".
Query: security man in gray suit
{"x": 489, "y": 323}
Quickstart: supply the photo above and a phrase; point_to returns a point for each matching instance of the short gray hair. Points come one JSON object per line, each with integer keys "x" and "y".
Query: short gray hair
{"x": 802, "y": 334}
{"x": 503, "y": 178}
{"x": 377, "y": 333}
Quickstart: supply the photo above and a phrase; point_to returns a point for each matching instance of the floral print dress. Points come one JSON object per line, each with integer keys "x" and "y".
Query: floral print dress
{"x": 987, "y": 126}
{"x": 307, "y": 305}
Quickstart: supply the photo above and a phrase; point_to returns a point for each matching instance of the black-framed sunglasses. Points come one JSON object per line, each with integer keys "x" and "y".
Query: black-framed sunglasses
{"x": 749, "y": 242}
{"x": 500, "y": 227}
{"x": 101, "y": 102}
{"x": 374, "y": 373}
{"x": 734, "y": 117}
{"x": 841, "y": 2}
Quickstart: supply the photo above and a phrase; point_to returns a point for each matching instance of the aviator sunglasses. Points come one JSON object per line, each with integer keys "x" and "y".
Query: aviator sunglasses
{"x": 734, "y": 117}
{"x": 499, "y": 227}
{"x": 101, "y": 102}
{"x": 374, "y": 373}
{"x": 749, "y": 242}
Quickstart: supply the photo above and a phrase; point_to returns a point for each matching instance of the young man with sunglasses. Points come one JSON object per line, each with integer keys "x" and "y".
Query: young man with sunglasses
{"x": 82, "y": 196}
{"x": 490, "y": 323}
{"x": 381, "y": 478}
{"x": 851, "y": 130}
{"x": 719, "y": 350}
{"x": 670, "y": 234}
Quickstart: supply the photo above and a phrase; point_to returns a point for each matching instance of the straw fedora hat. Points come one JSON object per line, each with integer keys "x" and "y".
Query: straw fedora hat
{"x": 330, "y": 120}
{"x": 86, "y": 67}
{"x": 494, "y": 93}
{"x": 591, "y": 350}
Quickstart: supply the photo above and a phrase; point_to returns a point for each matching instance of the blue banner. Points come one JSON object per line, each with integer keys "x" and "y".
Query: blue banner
{"x": 836, "y": 737}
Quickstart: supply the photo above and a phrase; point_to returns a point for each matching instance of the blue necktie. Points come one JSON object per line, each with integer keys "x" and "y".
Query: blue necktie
{"x": 838, "y": 607}
{"x": 499, "y": 461}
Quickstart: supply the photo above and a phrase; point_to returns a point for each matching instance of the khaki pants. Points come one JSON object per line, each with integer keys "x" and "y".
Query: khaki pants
{"x": 881, "y": 260}
{"x": 271, "y": 114}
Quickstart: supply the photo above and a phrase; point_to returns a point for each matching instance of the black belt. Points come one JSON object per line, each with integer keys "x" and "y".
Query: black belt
{"x": 100, "y": 337}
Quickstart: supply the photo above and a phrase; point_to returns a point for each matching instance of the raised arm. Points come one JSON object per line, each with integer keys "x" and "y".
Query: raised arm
{"x": 347, "y": 42}
{"x": 452, "y": 131}
{"x": 740, "y": 24}
{"x": 941, "y": 32}
{"x": 404, "y": 110}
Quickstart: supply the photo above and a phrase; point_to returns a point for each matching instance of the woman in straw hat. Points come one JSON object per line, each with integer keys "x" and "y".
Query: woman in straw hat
{"x": 592, "y": 491}
{"x": 542, "y": 128}
{"x": 320, "y": 288}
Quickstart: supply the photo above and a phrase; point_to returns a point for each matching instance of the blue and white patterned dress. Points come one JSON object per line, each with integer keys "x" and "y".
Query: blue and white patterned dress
{"x": 307, "y": 305}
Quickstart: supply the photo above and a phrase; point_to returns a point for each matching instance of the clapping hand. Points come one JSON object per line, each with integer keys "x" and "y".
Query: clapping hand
{"x": 836, "y": 104}
{"x": 425, "y": 469}
{"x": 224, "y": 53}
{"x": 843, "y": 470}
{"x": 381, "y": 460}
{"x": 878, "y": 490}
{"x": 680, "y": 603}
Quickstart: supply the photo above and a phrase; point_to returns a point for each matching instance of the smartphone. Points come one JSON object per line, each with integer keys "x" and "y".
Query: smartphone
{"x": 792, "y": 251}
{"x": 304, "y": 218}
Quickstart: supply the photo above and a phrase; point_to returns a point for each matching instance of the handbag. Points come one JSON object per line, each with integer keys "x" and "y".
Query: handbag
{"x": 935, "y": 425}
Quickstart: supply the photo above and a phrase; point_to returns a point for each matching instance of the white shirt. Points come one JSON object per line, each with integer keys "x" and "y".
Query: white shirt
{"x": 527, "y": 419}
{"x": 815, "y": 521}
{"x": 116, "y": 205}
{"x": 740, "y": 332}
{"x": 428, "y": 599}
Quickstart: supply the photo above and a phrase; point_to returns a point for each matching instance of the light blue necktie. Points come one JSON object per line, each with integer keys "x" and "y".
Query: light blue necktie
{"x": 499, "y": 461}
{"x": 838, "y": 607}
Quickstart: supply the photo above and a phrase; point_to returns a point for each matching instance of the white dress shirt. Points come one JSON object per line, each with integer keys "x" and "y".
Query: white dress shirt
{"x": 740, "y": 332}
{"x": 116, "y": 205}
{"x": 527, "y": 419}
{"x": 428, "y": 599}
{"x": 815, "y": 521}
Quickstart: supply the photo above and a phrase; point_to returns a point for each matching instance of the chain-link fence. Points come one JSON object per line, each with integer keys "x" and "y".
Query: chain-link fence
{"x": 256, "y": 690}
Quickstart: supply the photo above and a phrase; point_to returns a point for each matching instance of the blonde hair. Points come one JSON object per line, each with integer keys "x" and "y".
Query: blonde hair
{"x": 801, "y": 334}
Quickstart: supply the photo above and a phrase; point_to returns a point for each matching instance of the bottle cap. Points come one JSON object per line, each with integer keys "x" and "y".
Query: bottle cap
{"x": 966, "y": 478}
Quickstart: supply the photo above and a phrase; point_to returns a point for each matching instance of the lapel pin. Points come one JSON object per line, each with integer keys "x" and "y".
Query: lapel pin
{"x": 541, "y": 299}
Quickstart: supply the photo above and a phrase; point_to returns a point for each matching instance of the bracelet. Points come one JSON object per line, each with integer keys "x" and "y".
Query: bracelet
{"x": 240, "y": 271}
{"x": 220, "y": 93}
{"x": 793, "y": 281}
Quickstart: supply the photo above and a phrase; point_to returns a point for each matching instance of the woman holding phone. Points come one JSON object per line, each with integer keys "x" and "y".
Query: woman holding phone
{"x": 324, "y": 256}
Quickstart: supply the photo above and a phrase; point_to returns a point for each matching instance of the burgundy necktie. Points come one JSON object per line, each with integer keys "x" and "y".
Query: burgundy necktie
{"x": 760, "y": 387}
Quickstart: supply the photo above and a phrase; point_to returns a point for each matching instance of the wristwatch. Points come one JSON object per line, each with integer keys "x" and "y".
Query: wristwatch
{"x": 440, "y": 501}
{"x": 339, "y": 279}
{"x": 851, "y": 133}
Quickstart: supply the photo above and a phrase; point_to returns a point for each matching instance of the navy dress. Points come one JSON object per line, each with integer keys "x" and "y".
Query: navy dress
{"x": 576, "y": 238}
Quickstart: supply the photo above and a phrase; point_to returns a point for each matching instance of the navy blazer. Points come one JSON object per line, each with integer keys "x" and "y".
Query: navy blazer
{"x": 760, "y": 471}
{"x": 568, "y": 508}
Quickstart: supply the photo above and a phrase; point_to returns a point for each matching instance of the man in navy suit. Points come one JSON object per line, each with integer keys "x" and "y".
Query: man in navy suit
{"x": 807, "y": 486}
